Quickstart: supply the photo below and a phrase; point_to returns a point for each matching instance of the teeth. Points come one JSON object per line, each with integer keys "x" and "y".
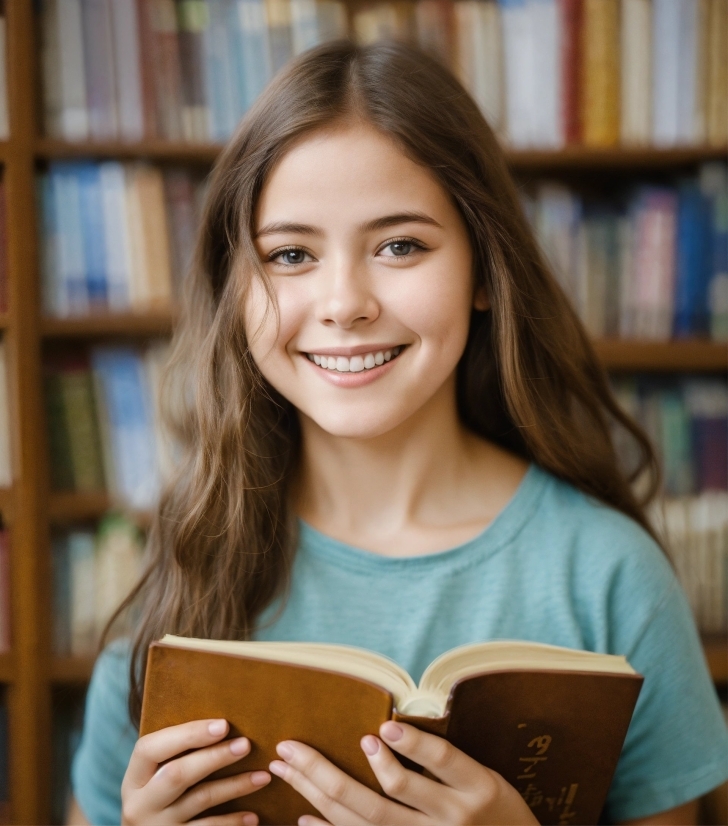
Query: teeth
{"x": 355, "y": 364}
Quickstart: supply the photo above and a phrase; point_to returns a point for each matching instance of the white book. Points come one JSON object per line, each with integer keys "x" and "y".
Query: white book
{"x": 6, "y": 465}
{"x": 74, "y": 117}
{"x": 636, "y": 71}
{"x": 116, "y": 236}
{"x": 118, "y": 557}
{"x": 546, "y": 122}
{"x": 666, "y": 67}
{"x": 127, "y": 69}
{"x": 82, "y": 562}
{"x": 518, "y": 52}
{"x": 687, "y": 59}
{"x": 71, "y": 267}
{"x": 4, "y": 123}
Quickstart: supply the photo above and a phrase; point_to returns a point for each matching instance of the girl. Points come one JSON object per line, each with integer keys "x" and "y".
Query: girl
{"x": 396, "y": 435}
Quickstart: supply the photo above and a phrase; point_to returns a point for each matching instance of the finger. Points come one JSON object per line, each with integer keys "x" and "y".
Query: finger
{"x": 310, "y": 820}
{"x": 206, "y": 795}
{"x": 450, "y": 765}
{"x": 153, "y": 749}
{"x": 410, "y": 788}
{"x": 174, "y": 778}
{"x": 234, "y": 819}
{"x": 332, "y": 788}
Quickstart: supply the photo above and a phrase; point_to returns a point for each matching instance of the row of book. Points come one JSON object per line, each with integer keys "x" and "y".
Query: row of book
{"x": 176, "y": 69}
{"x": 92, "y": 573}
{"x": 103, "y": 422}
{"x": 648, "y": 263}
{"x": 545, "y": 72}
{"x": 696, "y": 533}
{"x": 687, "y": 423}
{"x": 116, "y": 236}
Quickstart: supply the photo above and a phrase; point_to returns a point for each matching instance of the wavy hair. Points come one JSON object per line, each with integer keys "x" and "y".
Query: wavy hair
{"x": 222, "y": 540}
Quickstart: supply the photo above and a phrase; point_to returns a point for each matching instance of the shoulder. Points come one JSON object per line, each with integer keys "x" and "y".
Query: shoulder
{"x": 108, "y": 737}
{"x": 609, "y": 567}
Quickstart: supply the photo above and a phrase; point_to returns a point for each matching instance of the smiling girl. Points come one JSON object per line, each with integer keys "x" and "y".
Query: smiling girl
{"x": 395, "y": 435}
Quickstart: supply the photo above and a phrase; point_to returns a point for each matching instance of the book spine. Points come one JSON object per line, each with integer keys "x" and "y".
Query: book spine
{"x": 517, "y": 50}
{"x": 572, "y": 17}
{"x": 71, "y": 261}
{"x": 4, "y": 122}
{"x": 116, "y": 235}
{"x": 255, "y": 50}
{"x": 152, "y": 125}
{"x": 665, "y": 71}
{"x": 636, "y": 48}
{"x": 5, "y": 603}
{"x": 601, "y": 105}
{"x": 99, "y": 69}
{"x": 193, "y": 19}
{"x": 3, "y": 249}
{"x": 82, "y": 562}
{"x": 278, "y": 17}
{"x": 61, "y": 597}
{"x": 127, "y": 69}
{"x": 150, "y": 185}
{"x": 91, "y": 216}
{"x": 717, "y": 107}
{"x": 74, "y": 115}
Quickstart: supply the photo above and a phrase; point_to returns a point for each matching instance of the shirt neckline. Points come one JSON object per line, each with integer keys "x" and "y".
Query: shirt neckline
{"x": 502, "y": 530}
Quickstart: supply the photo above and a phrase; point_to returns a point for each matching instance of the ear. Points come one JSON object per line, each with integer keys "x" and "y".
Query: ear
{"x": 480, "y": 299}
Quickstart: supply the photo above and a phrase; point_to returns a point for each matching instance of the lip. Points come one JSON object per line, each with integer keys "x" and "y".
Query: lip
{"x": 353, "y": 379}
{"x": 354, "y": 351}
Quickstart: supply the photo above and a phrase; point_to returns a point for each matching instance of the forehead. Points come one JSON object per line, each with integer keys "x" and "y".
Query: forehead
{"x": 351, "y": 172}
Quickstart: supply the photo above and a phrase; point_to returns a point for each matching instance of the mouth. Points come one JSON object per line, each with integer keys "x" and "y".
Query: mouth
{"x": 356, "y": 364}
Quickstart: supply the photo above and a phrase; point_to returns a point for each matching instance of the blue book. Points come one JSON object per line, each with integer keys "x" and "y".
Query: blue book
{"x": 219, "y": 72}
{"x": 693, "y": 264}
{"x": 254, "y": 55}
{"x": 71, "y": 263}
{"x": 128, "y": 414}
{"x": 92, "y": 226}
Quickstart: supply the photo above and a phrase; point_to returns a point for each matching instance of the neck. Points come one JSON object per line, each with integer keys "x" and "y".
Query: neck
{"x": 426, "y": 473}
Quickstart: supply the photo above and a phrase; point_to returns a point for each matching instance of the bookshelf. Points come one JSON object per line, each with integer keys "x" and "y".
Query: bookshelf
{"x": 29, "y": 672}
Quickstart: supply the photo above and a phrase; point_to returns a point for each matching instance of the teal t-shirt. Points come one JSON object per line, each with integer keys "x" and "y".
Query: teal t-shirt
{"x": 556, "y": 567}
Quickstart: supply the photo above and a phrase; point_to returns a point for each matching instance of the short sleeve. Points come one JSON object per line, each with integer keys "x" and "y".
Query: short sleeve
{"x": 677, "y": 743}
{"x": 107, "y": 741}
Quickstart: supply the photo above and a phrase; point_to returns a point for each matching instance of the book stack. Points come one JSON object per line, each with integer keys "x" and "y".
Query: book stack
{"x": 116, "y": 237}
{"x": 183, "y": 70}
{"x": 92, "y": 573}
{"x": 687, "y": 422}
{"x": 601, "y": 72}
{"x": 651, "y": 263}
{"x": 696, "y": 534}
{"x": 104, "y": 423}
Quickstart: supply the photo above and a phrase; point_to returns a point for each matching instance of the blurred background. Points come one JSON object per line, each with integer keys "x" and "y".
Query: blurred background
{"x": 614, "y": 118}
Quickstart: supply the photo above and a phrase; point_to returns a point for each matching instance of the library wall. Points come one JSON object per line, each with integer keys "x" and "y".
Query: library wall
{"x": 614, "y": 118}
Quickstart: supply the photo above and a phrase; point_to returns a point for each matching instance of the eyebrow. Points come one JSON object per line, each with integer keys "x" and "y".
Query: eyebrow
{"x": 369, "y": 226}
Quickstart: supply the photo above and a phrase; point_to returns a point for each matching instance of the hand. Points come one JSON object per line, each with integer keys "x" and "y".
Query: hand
{"x": 467, "y": 793}
{"x": 162, "y": 795}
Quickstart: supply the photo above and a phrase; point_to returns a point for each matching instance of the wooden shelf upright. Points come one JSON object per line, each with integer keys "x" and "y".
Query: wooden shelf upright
{"x": 29, "y": 698}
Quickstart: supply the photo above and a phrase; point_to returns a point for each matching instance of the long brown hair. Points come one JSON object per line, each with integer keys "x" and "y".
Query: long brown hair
{"x": 221, "y": 543}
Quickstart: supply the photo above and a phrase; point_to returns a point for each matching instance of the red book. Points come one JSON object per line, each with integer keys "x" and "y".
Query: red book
{"x": 572, "y": 20}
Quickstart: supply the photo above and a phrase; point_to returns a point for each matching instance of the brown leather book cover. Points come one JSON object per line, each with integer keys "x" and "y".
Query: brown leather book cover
{"x": 556, "y": 736}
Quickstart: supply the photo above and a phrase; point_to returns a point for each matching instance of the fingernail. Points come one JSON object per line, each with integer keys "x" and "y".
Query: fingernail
{"x": 259, "y": 778}
{"x": 250, "y": 819}
{"x": 391, "y": 731}
{"x": 217, "y": 727}
{"x": 303, "y": 820}
{"x": 285, "y": 751}
{"x": 240, "y": 745}
{"x": 278, "y": 768}
{"x": 370, "y": 745}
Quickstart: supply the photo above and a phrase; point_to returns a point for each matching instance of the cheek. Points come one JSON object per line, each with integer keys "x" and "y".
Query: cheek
{"x": 270, "y": 325}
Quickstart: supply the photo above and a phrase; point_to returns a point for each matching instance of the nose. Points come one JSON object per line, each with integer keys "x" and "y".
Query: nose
{"x": 346, "y": 299}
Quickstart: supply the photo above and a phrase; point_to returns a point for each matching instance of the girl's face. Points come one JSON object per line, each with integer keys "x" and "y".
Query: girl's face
{"x": 371, "y": 266}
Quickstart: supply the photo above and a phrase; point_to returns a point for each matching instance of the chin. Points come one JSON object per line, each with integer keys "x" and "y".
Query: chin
{"x": 345, "y": 426}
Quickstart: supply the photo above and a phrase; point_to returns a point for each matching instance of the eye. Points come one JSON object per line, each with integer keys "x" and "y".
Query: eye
{"x": 402, "y": 247}
{"x": 289, "y": 256}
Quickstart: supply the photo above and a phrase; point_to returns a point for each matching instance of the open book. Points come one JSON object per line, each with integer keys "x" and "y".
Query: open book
{"x": 551, "y": 720}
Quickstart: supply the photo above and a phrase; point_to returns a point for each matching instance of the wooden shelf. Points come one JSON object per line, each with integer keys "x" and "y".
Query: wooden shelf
{"x": 66, "y": 507}
{"x": 572, "y": 157}
{"x": 4, "y": 321}
{"x": 7, "y": 667}
{"x": 158, "y": 150}
{"x": 630, "y": 158}
{"x": 663, "y": 356}
{"x": 6, "y": 504}
{"x": 71, "y": 670}
{"x": 110, "y": 325}
{"x": 716, "y": 653}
